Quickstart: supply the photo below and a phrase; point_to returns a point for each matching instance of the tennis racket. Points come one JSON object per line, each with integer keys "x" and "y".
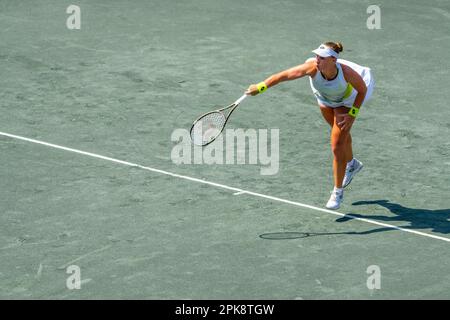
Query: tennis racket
{"x": 210, "y": 125}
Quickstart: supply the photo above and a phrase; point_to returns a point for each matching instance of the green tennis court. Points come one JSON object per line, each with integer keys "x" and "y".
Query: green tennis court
{"x": 87, "y": 178}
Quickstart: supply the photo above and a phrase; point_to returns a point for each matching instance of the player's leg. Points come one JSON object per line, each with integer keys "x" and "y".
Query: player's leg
{"x": 348, "y": 148}
{"x": 327, "y": 113}
{"x": 339, "y": 146}
{"x": 353, "y": 165}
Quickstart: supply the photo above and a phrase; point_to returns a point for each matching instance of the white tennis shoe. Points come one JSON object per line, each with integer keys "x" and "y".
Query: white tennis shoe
{"x": 351, "y": 171}
{"x": 336, "y": 199}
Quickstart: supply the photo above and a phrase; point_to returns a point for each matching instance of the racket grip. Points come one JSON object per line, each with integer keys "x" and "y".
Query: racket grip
{"x": 240, "y": 99}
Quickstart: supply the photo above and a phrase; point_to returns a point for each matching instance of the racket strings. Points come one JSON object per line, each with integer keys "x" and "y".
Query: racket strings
{"x": 208, "y": 128}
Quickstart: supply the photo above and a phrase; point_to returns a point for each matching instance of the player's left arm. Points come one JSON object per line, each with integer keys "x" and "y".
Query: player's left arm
{"x": 352, "y": 77}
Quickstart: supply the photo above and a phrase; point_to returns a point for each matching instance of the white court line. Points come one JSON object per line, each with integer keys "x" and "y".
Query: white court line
{"x": 236, "y": 190}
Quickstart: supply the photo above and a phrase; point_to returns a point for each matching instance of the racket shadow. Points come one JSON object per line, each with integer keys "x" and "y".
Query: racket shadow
{"x": 300, "y": 235}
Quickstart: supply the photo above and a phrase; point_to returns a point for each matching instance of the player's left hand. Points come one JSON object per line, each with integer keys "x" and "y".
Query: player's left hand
{"x": 345, "y": 122}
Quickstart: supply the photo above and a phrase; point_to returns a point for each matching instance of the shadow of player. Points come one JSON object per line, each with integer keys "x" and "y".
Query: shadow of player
{"x": 436, "y": 220}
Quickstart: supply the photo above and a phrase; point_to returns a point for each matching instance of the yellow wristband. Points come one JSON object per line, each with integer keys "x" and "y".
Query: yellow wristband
{"x": 354, "y": 112}
{"x": 261, "y": 87}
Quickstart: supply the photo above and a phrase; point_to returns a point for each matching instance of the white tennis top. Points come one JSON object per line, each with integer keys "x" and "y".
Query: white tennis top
{"x": 335, "y": 92}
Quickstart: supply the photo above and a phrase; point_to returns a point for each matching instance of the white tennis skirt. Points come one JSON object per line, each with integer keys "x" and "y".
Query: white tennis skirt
{"x": 368, "y": 78}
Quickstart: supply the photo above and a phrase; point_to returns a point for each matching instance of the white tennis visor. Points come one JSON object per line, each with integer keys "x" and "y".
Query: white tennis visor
{"x": 324, "y": 51}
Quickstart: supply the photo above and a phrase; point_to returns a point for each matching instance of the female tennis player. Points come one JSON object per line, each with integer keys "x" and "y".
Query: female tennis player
{"x": 341, "y": 88}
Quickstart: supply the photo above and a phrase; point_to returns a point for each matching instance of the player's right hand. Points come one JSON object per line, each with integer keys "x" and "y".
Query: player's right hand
{"x": 252, "y": 90}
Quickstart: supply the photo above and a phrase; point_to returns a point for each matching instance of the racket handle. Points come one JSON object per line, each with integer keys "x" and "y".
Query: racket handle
{"x": 240, "y": 99}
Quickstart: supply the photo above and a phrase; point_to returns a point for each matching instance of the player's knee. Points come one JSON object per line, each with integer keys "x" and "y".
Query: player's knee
{"x": 338, "y": 147}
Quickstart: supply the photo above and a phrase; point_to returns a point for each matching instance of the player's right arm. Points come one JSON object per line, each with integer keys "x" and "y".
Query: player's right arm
{"x": 305, "y": 69}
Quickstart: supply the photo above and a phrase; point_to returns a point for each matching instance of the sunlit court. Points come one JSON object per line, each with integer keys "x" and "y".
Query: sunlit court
{"x": 230, "y": 150}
